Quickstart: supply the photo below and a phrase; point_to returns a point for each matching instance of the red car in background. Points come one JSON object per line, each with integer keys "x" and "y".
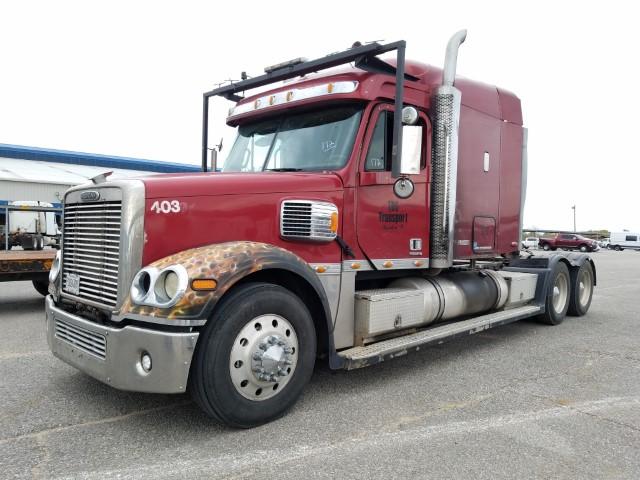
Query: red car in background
{"x": 568, "y": 241}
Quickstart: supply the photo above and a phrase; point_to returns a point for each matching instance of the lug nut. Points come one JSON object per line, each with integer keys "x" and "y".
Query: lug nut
{"x": 272, "y": 340}
{"x": 257, "y": 356}
{"x": 288, "y": 350}
{"x": 262, "y": 346}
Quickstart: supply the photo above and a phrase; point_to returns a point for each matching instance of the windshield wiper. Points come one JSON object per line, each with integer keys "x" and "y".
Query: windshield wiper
{"x": 282, "y": 169}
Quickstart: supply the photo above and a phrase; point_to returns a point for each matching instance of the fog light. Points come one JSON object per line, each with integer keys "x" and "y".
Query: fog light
{"x": 145, "y": 361}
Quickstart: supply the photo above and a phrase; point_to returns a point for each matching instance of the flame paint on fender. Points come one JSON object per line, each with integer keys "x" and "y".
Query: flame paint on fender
{"x": 226, "y": 263}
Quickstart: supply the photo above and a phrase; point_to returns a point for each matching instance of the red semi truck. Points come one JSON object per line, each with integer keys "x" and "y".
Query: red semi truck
{"x": 363, "y": 212}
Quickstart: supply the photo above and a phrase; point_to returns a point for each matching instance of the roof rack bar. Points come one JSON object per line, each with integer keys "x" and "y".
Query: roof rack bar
{"x": 310, "y": 66}
{"x": 354, "y": 54}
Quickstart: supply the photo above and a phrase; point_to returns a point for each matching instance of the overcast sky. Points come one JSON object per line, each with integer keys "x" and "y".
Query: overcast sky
{"x": 126, "y": 78}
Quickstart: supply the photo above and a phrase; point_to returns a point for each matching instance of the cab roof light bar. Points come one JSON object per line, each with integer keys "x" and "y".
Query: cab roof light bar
{"x": 364, "y": 57}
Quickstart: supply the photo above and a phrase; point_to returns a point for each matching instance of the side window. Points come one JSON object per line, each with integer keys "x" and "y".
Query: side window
{"x": 379, "y": 154}
{"x": 377, "y": 158}
{"x": 631, "y": 238}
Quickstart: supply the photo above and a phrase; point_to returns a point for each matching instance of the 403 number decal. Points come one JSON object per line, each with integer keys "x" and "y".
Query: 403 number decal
{"x": 166, "y": 206}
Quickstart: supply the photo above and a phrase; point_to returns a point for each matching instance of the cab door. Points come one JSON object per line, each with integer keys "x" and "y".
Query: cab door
{"x": 393, "y": 232}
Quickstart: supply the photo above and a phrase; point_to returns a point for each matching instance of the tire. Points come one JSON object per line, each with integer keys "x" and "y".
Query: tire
{"x": 546, "y": 247}
{"x": 223, "y": 379}
{"x": 584, "y": 248}
{"x": 557, "y": 302}
{"x": 553, "y": 249}
{"x": 582, "y": 280}
{"x": 617, "y": 248}
{"x": 29, "y": 243}
{"x": 41, "y": 287}
{"x": 40, "y": 243}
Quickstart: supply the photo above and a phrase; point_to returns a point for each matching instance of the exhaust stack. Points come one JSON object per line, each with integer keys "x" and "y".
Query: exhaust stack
{"x": 446, "y": 105}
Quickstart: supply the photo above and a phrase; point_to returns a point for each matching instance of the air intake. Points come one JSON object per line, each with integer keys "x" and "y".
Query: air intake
{"x": 308, "y": 220}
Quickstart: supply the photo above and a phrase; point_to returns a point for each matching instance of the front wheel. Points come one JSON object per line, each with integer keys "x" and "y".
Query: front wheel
{"x": 582, "y": 280}
{"x": 254, "y": 357}
{"x": 42, "y": 287}
{"x": 583, "y": 248}
{"x": 557, "y": 301}
{"x": 546, "y": 247}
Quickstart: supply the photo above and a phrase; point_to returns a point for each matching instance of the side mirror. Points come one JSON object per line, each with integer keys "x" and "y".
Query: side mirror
{"x": 411, "y": 150}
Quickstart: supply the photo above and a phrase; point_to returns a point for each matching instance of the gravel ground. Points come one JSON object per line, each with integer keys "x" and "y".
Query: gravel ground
{"x": 521, "y": 401}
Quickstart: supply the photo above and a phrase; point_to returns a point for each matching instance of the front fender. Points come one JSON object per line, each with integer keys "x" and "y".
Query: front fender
{"x": 227, "y": 263}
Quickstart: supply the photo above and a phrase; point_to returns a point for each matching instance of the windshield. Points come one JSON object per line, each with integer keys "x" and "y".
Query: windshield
{"x": 317, "y": 140}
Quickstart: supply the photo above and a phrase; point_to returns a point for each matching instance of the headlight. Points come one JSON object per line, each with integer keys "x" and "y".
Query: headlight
{"x": 159, "y": 288}
{"x": 167, "y": 285}
{"x": 55, "y": 268}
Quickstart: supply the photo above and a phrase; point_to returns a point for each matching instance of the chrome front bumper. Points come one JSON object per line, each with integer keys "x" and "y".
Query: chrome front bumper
{"x": 113, "y": 355}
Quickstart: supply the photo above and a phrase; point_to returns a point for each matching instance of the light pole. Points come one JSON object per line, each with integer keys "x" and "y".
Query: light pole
{"x": 574, "y": 217}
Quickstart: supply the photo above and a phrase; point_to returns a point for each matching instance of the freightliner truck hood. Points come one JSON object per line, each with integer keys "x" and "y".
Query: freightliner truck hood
{"x": 205, "y": 184}
{"x": 191, "y": 210}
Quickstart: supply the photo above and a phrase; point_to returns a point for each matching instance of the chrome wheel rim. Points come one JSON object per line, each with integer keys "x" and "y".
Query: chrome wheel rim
{"x": 263, "y": 357}
{"x": 585, "y": 286}
{"x": 560, "y": 292}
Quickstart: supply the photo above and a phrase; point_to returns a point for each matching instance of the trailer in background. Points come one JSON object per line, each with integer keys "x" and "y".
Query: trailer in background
{"x": 32, "y": 224}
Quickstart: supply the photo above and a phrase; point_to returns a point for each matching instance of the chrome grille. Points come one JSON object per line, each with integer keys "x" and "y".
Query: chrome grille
{"x": 307, "y": 219}
{"x": 91, "y": 250}
{"x": 83, "y": 339}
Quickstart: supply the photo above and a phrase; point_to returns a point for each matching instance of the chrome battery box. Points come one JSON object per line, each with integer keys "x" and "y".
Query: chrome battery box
{"x": 381, "y": 311}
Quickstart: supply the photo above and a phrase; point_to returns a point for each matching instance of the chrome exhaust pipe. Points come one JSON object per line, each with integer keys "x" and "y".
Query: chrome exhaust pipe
{"x": 451, "y": 58}
{"x": 444, "y": 161}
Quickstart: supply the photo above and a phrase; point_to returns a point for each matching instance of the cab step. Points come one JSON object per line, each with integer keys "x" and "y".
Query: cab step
{"x": 358, "y": 357}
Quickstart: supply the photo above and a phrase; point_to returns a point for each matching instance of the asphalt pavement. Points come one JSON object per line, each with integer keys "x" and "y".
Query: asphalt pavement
{"x": 521, "y": 401}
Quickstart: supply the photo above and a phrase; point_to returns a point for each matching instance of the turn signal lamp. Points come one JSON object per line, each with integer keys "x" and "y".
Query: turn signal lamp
{"x": 333, "y": 222}
{"x": 204, "y": 284}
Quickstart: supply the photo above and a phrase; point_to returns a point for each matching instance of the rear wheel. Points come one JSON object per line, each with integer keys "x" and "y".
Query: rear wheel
{"x": 582, "y": 280}
{"x": 29, "y": 243}
{"x": 557, "y": 301}
{"x": 617, "y": 248}
{"x": 254, "y": 357}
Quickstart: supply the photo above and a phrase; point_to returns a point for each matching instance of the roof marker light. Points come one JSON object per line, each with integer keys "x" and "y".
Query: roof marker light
{"x": 295, "y": 94}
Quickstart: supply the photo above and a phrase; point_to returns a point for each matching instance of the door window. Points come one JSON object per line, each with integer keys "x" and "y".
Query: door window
{"x": 379, "y": 154}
